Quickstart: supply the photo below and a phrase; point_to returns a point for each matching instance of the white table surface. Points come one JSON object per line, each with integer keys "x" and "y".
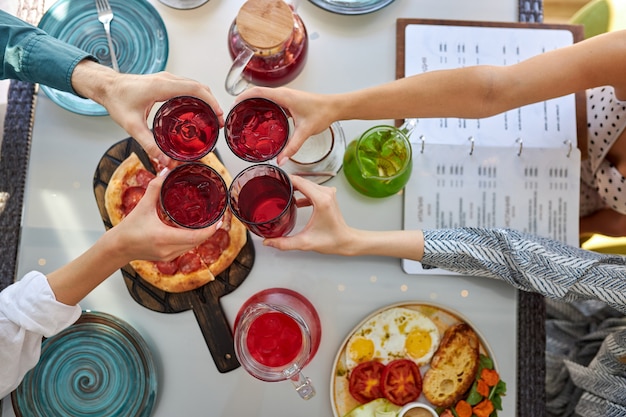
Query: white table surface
{"x": 61, "y": 218}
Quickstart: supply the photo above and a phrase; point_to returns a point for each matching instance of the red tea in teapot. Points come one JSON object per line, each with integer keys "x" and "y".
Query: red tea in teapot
{"x": 268, "y": 42}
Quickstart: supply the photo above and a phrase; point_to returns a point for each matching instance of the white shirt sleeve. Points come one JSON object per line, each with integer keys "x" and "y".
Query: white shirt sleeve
{"x": 28, "y": 312}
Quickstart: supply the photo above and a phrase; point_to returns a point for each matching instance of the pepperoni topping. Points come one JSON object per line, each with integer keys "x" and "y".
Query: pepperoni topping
{"x": 143, "y": 177}
{"x": 130, "y": 198}
{"x": 168, "y": 268}
{"x": 189, "y": 262}
{"x": 209, "y": 252}
{"x": 221, "y": 238}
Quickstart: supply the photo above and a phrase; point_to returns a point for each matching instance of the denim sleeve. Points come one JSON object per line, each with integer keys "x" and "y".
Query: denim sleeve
{"x": 529, "y": 263}
{"x": 34, "y": 56}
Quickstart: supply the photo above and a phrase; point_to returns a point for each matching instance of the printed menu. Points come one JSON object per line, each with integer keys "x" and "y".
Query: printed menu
{"x": 519, "y": 169}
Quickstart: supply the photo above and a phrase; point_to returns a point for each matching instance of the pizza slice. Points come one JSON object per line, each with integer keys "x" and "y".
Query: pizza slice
{"x": 193, "y": 268}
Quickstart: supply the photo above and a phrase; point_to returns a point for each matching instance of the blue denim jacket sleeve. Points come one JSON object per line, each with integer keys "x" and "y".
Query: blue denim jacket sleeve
{"x": 32, "y": 55}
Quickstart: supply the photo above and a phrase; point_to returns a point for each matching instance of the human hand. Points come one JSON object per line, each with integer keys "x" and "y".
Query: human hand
{"x": 311, "y": 114}
{"x": 143, "y": 236}
{"x": 133, "y": 96}
{"x": 129, "y": 98}
{"x": 326, "y": 230}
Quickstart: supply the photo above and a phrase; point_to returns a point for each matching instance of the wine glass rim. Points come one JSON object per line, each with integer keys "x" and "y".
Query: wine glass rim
{"x": 250, "y": 168}
{"x": 227, "y": 121}
{"x": 215, "y": 175}
{"x": 210, "y": 112}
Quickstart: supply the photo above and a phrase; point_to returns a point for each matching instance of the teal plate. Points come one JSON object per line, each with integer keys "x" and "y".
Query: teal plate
{"x": 99, "y": 366}
{"x": 139, "y": 39}
{"x": 351, "y": 7}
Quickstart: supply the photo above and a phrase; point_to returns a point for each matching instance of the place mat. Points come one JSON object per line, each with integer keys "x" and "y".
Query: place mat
{"x": 531, "y": 11}
{"x": 531, "y": 308}
{"x": 14, "y": 156}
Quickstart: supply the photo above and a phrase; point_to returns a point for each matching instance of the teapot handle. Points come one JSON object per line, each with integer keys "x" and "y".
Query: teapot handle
{"x": 408, "y": 126}
{"x": 235, "y": 82}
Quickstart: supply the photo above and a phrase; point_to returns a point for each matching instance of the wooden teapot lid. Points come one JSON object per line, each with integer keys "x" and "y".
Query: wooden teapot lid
{"x": 265, "y": 24}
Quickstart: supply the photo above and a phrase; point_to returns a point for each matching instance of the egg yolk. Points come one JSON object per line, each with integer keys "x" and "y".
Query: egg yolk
{"x": 418, "y": 343}
{"x": 361, "y": 350}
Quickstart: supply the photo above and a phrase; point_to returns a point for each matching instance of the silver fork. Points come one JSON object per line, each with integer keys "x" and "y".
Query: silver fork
{"x": 105, "y": 15}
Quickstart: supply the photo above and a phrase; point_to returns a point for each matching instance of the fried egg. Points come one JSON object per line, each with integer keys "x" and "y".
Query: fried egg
{"x": 393, "y": 334}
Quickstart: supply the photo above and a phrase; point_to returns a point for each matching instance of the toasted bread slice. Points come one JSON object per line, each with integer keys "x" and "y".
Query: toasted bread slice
{"x": 453, "y": 367}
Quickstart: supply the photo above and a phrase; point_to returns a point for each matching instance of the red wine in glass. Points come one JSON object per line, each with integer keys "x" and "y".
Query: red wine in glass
{"x": 186, "y": 128}
{"x": 194, "y": 195}
{"x": 256, "y": 129}
{"x": 261, "y": 197}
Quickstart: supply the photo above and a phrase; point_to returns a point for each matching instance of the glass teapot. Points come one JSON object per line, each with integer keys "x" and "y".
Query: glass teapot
{"x": 268, "y": 42}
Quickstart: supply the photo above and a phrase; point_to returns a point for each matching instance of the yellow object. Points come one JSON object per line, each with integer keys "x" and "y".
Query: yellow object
{"x": 600, "y": 16}
{"x": 605, "y": 244}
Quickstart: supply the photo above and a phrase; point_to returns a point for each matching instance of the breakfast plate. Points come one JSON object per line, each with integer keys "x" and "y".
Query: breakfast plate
{"x": 97, "y": 366}
{"x": 429, "y": 318}
{"x": 137, "y": 31}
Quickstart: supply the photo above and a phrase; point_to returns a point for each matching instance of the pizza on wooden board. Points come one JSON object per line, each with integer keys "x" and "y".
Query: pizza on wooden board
{"x": 193, "y": 268}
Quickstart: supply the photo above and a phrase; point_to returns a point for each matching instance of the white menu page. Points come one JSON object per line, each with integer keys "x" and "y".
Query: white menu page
{"x": 519, "y": 169}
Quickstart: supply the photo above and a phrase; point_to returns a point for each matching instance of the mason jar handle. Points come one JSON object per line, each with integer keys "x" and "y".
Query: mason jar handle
{"x": 235, "y": 82}
{"x": 303, "y": 386}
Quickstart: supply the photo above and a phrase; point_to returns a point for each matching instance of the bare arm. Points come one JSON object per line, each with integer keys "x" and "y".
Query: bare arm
{"x": 141, "y": 235}
{"x": 470, "y": 92}
{"x": 327, "y": 231}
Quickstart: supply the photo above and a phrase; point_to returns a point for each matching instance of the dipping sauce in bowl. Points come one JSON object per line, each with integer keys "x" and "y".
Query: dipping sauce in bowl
{"x": 416, "y": 409}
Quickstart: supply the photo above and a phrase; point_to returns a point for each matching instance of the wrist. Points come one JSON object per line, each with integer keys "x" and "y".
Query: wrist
{"x": 92, "y": 80}
{"x": 112, "y": 248}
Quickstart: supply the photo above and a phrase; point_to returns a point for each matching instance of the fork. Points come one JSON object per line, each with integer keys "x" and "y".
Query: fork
{"x": 105, "y": 15}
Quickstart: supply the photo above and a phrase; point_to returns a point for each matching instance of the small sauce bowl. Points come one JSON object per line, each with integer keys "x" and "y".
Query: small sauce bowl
{"x": 417, "y": 409}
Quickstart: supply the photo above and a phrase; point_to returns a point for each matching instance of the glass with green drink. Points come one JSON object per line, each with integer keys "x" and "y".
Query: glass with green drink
{"x": 379, "y": 163}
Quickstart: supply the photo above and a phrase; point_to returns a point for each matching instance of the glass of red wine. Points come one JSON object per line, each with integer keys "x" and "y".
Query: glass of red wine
{"x": 186, "y": 128}
{"x": 277, "y": 333}
{"x": 262, "y": 198}
{"x": 193, "y": 195}
{"x": 256, "y": 129}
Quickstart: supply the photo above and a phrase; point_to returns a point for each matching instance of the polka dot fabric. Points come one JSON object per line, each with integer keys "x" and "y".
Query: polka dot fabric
{"x": 602, "y": 184}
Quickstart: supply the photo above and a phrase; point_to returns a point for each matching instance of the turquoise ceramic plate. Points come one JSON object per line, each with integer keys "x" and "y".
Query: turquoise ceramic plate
{"x": 351, "y": 6}
{"x": 138, "y": 33}
{"x": 99, "y": 366}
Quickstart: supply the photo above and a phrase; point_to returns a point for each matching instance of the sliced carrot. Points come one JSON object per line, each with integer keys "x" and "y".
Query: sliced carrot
{"x": 482, "y": 388}
{"x": 483, "y": 408}
{"x": 463, "y": 409}
{"x": 490, "y": 376}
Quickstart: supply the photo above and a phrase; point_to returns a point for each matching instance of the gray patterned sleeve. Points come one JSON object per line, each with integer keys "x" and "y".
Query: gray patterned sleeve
{"x": 529, "y": 263}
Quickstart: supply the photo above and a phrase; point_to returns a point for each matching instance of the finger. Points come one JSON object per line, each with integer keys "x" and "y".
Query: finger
{"x": 293, "y": 144}
{"x": 256, "y": 92}
{"x": 306, "y": 187}
{"x": 194, "y": 237}
{"x": 303, "y": 202}
{"x": 280, "y": 243}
